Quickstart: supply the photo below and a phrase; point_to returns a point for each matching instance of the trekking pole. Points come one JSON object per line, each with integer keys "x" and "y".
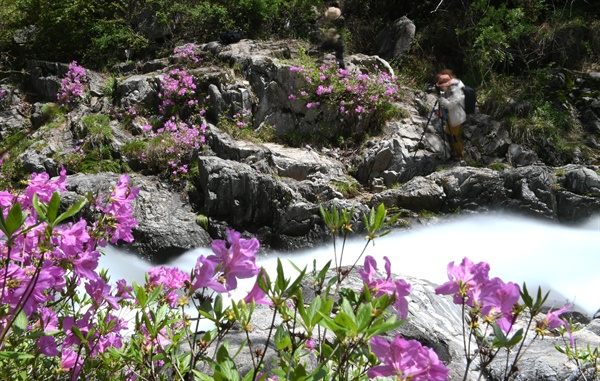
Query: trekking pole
{"x": 425, "y": 128}
{"x": 443, "y": 120}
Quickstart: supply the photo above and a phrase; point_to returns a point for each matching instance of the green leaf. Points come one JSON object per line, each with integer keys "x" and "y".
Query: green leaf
{"x": 331, "y": 325}
{"x": 296, "y": 285}
{"x": 316, "y": 374}
{"x": 14, "y": 220}
{"x": 53, "y": 207}
{"x": 324, "y": 270}
{"x": 140, "y": 294}
{"x": 517, "y": 337}
{"x": 364, "y": 316}
{"x": 20, "y": 324}
{"x": 527, "y": 299}
{"x": 381, "y": 327}
{"x": 500, "y": 341}
{"x": 73, "y": 209}
{"x": 312, "y": 315}
{"x": 78, "y": 333}
{"x": 225, "y": 369}
{"x": 39, "y": 208}
{"x": 218, "y": 308}
{"x": 149, "y": 326}
{"x": 282, "y": 338}
{"x": 10, "y": 355}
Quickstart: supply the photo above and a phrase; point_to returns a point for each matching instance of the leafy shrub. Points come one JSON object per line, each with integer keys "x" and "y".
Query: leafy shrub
{"x": 72, "y": 86}
{"x": 113, "y": 42}
{"x": 372, "y": 99}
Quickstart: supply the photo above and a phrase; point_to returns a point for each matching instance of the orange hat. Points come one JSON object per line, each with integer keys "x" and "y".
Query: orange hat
{"x": 443, "y": 79}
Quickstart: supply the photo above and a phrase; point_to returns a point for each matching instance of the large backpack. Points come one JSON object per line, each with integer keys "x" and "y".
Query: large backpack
{"x": 470, "y": 99}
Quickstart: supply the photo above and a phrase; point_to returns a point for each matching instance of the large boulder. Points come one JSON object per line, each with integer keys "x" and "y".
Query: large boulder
{"x": 395, "y": 40}
{"x": 167, "y": 225}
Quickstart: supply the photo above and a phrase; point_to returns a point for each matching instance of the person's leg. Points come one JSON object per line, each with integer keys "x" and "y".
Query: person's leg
{"x": 339, "y": 54}
{"x": 452, "y": 141}
{"x": 457, "y": 139}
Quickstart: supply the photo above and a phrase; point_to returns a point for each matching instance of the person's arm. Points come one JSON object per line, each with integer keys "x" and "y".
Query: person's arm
{"x": 456, "y": 99}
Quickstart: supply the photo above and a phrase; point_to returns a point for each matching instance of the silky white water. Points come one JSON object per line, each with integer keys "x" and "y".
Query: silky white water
{"x": 563, "y": 260}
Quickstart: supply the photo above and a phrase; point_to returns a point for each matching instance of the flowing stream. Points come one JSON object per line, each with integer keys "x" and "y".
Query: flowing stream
{"x": 561, "y": 259}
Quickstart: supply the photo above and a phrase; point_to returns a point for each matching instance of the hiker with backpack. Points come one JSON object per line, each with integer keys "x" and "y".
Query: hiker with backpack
{"x": 452, "y": 99}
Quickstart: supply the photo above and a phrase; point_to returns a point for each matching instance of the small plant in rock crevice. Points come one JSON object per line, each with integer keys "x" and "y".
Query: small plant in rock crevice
{"x": 72, "y": 86}
{"x": 239, "y": 126}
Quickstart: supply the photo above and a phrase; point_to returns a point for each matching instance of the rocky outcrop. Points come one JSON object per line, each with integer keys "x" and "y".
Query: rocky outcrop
{"x": 274, "y": 191}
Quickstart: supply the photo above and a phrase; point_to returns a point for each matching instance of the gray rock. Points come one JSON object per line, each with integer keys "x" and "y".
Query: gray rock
{"x": 396, "y": 39}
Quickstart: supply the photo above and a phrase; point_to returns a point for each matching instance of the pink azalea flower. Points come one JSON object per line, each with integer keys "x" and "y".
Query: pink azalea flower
{"x": 463, "y": 279}
{"x": 379, "y": 286}
{"x": 71, "y": 361}
{"x": 406, "y": 360}
{"x": 204, "y": 276}
{"x": 82, "y": 324}
{"x": 403, "y": 289}
{"x": 124, "y": 290}
{"x": 238, "y": 260}
{"x": 47, "y": 346}
{"x": 49, "y": 278}
{"x": 497, "y": 299}
{"x": 552, "y": 317}
{"x": 257, "y": 294}
{"x": 6, "y": 199}
{"x": 42, "y": 186}
{"x": 99, "y": 291}
{"x": 85, "y": 264}
{"x": 73, "y": 238}
{"x": 49, "y": 322}
{"x": 171, "y": 279}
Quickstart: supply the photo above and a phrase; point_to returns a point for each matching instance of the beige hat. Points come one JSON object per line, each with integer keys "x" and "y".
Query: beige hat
{"x": 333, "y": 13}
{"x": 443, "y": 79}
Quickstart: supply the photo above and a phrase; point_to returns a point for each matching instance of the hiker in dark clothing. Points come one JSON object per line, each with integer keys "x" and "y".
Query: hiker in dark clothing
{"x": 332, "y": 41}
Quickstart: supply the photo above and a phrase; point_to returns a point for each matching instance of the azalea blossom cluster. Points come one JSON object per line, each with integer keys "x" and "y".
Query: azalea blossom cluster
{"x": 182, "y": 133}
{"x": 352, "y": 95}
{"x": 406, "y": 360}
{"x": 178, "y": 141}
{"x": 495, "y": 300}
{"x": 399, "y": 288}
{"x": 71, "y": 88}
{"x": 403, "y": 359}
{"x": 492, "y": 302}
{"x": 187, "y": 53}
{"x": 43, "y": 263}
{"x": 178, "y": 90}
{"x": 231, "y": 260}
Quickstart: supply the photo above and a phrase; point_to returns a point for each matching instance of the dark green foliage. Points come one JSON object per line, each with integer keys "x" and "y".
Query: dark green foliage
{"x": 474, "y": 37}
